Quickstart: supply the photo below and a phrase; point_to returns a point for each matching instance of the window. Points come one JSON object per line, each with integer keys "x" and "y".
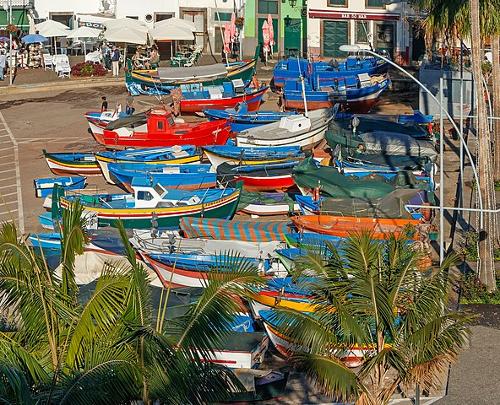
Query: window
{"x": 267, "y": 7}
{"x": 133, "y": 17}
{"x": 159, "y": 125}
{"x": 376, "y": 3}
{"x": 222, "y": 16}
{"x": 341, "y": 3}
{"x": 163, "y": 16}
{"x": 384, "y": 36}
{"x": 362, "y": 32}
{"x": 144, "y": 195}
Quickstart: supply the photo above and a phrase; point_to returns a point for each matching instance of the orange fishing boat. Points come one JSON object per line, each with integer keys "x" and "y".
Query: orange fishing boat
{"x": 381, "y": 228}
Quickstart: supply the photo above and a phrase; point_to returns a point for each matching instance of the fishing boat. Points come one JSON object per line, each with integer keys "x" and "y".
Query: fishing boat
{"x": 44, "y": 186}
{"x": 417, "y": 117}
{"x": 312, "y": 240}
{"x": 46, "y": 240}
{"x": 260, "y": 385}
{"x": 264, "y": 204}
{"x": 267, "y": 177}
{"x": 377, "y": 141}
{"x": 358, "y": 93}
{"x": 45, "y": 221}
{"x": 385, "y": 164}
{"x": 393, "y": 205}
{"x": 295, "y": 130}
{"x": 195, "y": 270}
{"x": 352, "y": 355}
{"x": 155, "y": 206}
{"x": 344, "y": 226}
{"x": 164, "y": 156}
{"x": 98, "y": 120}
{"x": 310, "y": 176}
{"x": 240, "y": 119}
{"x": 183, "y": 177}
{"x": 157, "y": 128}
{"x": 170, "y": 241}
{"x": 196, "y": 98}
{"x": 162, "y": 80}
{"x": 72, "y": 163}
{"x": 236, "y": 155}
{"x": 250, "y": 231}
{"x": 326, "y": 72}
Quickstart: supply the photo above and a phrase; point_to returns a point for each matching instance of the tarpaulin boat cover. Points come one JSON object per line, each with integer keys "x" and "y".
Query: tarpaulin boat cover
{"x": 133, "y": 120}
{"x": 375, "y": 141}
{"x": 184, "y": 74}
{"x": 247, "y": 198}
{"x": 255, "y": 231}
{"x": 308, "y": 174}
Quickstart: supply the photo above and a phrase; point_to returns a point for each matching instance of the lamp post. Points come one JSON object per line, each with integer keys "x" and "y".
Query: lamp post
{"x": 357, "y": 48}
{"x": 10, "y": 43}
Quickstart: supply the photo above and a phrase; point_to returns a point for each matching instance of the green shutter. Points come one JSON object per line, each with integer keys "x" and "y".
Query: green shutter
{"x": 221, "y": 16}
{"x": 267, "y": 7}
{"x": 337, "y": 2}
{"x": 376, "y": 3}
{"x": 334, "y": 35}
{"x": 19, "y": 18}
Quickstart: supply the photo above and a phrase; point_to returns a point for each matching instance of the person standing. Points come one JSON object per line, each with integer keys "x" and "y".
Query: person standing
{"x": 129, "y": 109}
{"x": 115, "y": 61}
{"x": 3, "y": 59}
{"x": 64, "y": 46}
{"x": 104, "y": 105}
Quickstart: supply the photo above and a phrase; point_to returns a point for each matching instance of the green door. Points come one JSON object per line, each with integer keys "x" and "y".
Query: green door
{"x": 260, "y": 21}
{"x": 335, "y": 34}
{"x": 293, "y": 27}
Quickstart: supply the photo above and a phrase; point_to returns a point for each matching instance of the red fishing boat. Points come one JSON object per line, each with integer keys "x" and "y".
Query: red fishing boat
{"x": 157, "y": 128}
{"x": 227, "y": 95}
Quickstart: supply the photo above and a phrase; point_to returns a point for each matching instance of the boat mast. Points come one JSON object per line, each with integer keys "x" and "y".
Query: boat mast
{"x": 303, "y": 89}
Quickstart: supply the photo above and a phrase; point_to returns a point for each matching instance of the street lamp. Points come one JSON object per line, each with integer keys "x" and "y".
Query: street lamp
{"x": 357, "y": 48}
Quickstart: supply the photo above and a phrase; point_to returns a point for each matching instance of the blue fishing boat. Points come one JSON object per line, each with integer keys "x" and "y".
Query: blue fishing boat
{"x": 312, "y": 239}
{"x": 45, "y": 240}
{"x": 358, "y": 93}
{"x": 219, "y": 154}
{"x": 327, "y": 72}
{"x": 44, "y": 186}
{"x": 240, "y": 118}
{"x": 184, "y": 177}
{"x": 416, "y": 118}
{"x": 46, "y": 220}
{"x": 72, "y": 163}
{"x": 172, "y": 155}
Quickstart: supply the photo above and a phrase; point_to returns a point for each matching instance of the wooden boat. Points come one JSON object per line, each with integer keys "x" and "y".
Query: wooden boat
{"x": 326, "y": 72}
{"x": 45, "y": 221}
{"x": 158, "y": 128}
{"x": 76, "y": 163}
{"x": 295, "y": 130}
{"x": 267, "y": 177}
{"x": 380, "y": 228}
{"x": 393, "y": 164}
{"x": 46, "y": 240}
{"x": 236, "y": 155}
{"x": 162, "y": 80}
{"x": 393, "y": 205}
{"x": 250, "y": 231}
{"x": 155, "y": 207}
{"x": 356, "y": 94}
{"x": 263, "y": 204}
{"x": 164, "y": 156}
{"x": 240, "y": 119}
{"x": 228, "y": 95}
{"x": 194, "y": 270}
{"x": 260, "y": 385}
{"x": 44, "y": 186}
{"x": 98, "y": 120}
{"x": 183, "y": 177}
{"x": 312, "y": 240}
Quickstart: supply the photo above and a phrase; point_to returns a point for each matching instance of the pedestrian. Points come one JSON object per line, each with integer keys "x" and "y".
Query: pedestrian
{"x": 104, "y": 105}
{"x": 115, "y": 60}
{"x": 3, "y": 60}
{"x": 64, "y": 46}
{"x": 129, "y": 109}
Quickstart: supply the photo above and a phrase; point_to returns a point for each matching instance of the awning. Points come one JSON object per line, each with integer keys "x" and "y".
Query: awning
{"x": 340, "y": 15}
{"x": 19, "y": 18}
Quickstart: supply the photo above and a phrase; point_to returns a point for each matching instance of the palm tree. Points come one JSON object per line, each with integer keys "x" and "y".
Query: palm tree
{"x": 108, "y": 349}
{"x": 372, "y": 294}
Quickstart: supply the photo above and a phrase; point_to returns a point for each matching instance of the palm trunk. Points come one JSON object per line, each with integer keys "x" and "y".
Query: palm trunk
{"x": 495, "y": 48}
{"x": 486, "y": 263}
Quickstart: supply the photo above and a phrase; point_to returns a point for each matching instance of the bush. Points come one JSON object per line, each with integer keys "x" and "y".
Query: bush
{"x": 473, "y": 292}
{"x": 88, "y": 69}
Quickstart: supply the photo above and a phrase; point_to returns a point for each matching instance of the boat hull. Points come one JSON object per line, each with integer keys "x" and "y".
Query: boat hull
{"x": 63, "y": 167}
{"x": 271, "y": 183}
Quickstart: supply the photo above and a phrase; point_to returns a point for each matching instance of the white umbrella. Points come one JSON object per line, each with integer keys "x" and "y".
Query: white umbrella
{"x": 52, "y": 29}
{"x": 128, "y": 35}
{"x": 171, "y": 33}
{"x": 85, "y": 32}
{"x": 126, "y": 23}
{"x": 176, "y": 22}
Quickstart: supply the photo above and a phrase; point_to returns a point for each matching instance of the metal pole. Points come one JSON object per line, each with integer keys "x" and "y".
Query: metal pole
{"x": 469, "y": 155}
{"x": 461, "y": 197}
{"x": 441, "y": 172}
{"x": 11, "y": 79}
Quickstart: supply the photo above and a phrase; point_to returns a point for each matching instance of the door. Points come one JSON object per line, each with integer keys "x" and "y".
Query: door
{"x": 260, "y": 21}
{"x": 199, "y": 18}
{"x": 293, "y": 28}
{"x": 335, "y": 34}
{"x": 384, "y": 37}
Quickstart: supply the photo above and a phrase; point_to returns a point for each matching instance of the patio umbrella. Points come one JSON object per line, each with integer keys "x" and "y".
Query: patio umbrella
{"x": 176, "y": 22}
{"x": 271, "y": 32}
{"x": 52, "y": 29}
{"x": 85, "y": 32}
{"x": 171, "y": 33}
{"x": 33, "y": 39}
{"x": 266, "y": 38}
{"x": 227, "y": 40}
{"x": 126, "y": 23}
{"x": 4, "y": 39}
{"x": 233, "y": 29}
{"x": 127, "y": 35}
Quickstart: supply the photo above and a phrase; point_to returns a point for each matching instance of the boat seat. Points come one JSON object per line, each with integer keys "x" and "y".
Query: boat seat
{"x": 215, "y": 93}
{"x": 364, "y": 79}
{"x": 124, "y": 132}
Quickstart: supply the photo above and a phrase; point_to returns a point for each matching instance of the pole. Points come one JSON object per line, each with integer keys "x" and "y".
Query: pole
{"x": 11, "y": 79}
{"x": 461, "y": 197}
{"x": 441, "y": 172}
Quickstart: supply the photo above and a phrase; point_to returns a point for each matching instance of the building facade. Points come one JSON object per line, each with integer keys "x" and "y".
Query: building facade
{"x": 390, "y": 27}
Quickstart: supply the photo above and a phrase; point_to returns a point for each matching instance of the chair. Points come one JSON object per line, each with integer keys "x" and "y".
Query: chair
{"x": 48, "y": 61}
{"x": 62, "y": 66}
{"x": 193, "y": 59}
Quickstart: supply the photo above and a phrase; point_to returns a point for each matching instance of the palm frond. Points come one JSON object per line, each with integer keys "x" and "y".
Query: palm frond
{"x": 14, "y": 388}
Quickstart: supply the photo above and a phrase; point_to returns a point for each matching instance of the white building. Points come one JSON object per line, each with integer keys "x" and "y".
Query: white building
{"x": 391, "y": 27}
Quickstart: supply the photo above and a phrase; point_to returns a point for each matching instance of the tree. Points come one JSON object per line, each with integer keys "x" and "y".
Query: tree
{"x": 372, "y": 294}
{"x": 56, "y": 350}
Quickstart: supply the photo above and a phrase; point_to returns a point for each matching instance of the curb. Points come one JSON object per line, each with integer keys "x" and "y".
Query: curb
{"x": 54, "y": 86}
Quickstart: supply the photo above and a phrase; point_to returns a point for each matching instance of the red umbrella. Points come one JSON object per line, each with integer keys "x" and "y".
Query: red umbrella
{"x": 227, "y": 38}
{"x": 266, "y": 38}
{"x": 233, "y": 27}
{"x": 271, "y": 32}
